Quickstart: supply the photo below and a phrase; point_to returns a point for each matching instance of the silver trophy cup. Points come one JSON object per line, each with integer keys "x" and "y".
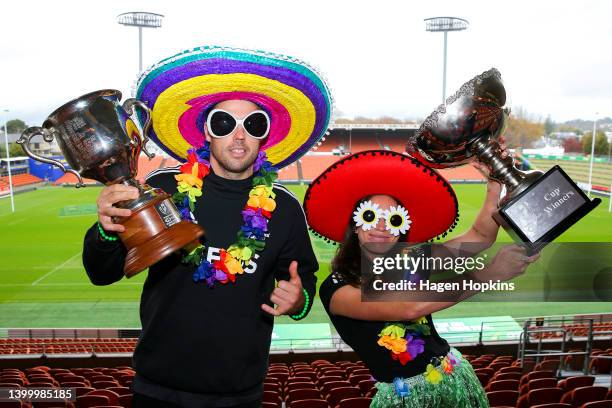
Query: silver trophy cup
{"x": 100, "y": 140}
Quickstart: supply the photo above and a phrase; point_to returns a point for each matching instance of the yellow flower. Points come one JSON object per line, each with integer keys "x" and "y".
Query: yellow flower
{"x": 395, "y": 345}
{"x": 262, "y": 191}
{"x": 233, "y": 265}
{"x": 192, "y": 192}
{"x": 191, "y": 179}
{"x": 420, "y": 320}
{"x": 394, "y": 331}
{"x": 243, "y": 254}
{"x": 432, "y": 375}
{"x": 262, "y": 202}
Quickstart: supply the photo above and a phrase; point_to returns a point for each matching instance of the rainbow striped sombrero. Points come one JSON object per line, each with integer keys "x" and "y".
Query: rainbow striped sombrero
{"x": 180, "y": 89}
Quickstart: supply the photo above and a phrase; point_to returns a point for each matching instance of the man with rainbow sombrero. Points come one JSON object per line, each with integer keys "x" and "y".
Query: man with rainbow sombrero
{"x": 233, "y": 117}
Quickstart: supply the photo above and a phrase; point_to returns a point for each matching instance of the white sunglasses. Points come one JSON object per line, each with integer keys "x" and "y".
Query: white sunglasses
{"x": 221, "y": 123}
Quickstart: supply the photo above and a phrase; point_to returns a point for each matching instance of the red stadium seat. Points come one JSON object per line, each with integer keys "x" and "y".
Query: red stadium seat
{"x": 505, "y": 398}
{"x": 355, "y": 379}
{"x": 121, "y": 390}
{"x": 366, "y": 385}
{"x": 90, "y": 401}
{"x": 582, "y": 395}
{"x": 571, "y": 383}
{"x": 598, "y": 404}
{"x": 302, "y": 394}
{"x": 101, "y": 385}
{"x": 510, "y": 369}
{"x": 535, "y": 374}
{"x": 357, "y": 402}
{"x": 338, "y": 394}
{"x": 83, "y": 390}
{"x": 113, "y": 397}
{"x": 126, "y": 400}
{"x": 544, "y": 396}
{"x": 300, "y": 386}
{"x": 500, "y": 385}
{"x": 271, "y": 396}
{"x": 310, "y": 403}
{"x": 506, "y": 376}
{"x": 11, "y": 404}
{"x": 330, "y": 385}
{"x": 541, "y": 383}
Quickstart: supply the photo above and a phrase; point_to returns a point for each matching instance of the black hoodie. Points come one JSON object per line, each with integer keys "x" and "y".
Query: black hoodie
{"x": 203, "y": 347}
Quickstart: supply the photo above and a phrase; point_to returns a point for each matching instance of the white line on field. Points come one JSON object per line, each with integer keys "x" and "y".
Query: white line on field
{"x": 17, "y": 221}
{"x": 55, "y": 269}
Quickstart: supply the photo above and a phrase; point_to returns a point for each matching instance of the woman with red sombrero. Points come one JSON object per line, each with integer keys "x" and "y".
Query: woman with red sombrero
{"x": 382, "y": 198}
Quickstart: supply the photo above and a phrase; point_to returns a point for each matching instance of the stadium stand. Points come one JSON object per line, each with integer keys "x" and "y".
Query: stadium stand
{"x": 20, "y": 180}
{"x": 322, "y": 383}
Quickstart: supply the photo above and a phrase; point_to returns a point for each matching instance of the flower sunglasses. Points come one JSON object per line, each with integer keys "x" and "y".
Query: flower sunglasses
{"x": 221, "y": 123}
{"x": 397, "y": 220}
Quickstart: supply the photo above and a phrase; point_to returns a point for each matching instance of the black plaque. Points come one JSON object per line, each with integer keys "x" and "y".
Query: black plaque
{"x": 545, "y": 209}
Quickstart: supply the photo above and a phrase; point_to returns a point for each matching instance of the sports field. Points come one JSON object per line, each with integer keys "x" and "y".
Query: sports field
{"x": 43, "y": 284}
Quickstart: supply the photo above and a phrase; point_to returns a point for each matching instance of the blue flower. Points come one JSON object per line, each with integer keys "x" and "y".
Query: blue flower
{"x": 401, "y": 388}
{"x": 251, "y": 232}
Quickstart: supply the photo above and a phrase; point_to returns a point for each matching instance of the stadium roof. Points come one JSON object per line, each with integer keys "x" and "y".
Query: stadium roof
{"x": 376, "y": 126}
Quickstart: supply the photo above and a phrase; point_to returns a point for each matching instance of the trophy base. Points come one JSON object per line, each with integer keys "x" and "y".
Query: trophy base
{"x": 154, "y": 231}
{"x": 163, "y": 244}
{"x": 544, "y": 210}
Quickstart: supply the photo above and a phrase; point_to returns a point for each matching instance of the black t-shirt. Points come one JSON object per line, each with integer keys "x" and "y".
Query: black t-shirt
{"x": 203, "y": 347}
{"x": 363, "y": 337}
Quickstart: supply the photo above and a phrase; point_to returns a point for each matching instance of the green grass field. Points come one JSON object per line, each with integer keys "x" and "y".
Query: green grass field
{"x": 43, "y": 283}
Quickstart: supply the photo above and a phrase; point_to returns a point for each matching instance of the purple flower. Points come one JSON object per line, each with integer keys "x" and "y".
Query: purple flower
{"x": 260, "y": 161}
{"x": 203, "y": 272}
{"x": 220, "y": 275}
{"x": 254, "y": 218}
{"x": 186, "y": 214}
{"x": 415, "y": 345}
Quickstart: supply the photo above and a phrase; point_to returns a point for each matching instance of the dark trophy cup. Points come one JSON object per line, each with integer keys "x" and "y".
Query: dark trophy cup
{"x": 100, "y": 141}
{"x": 536, "y": 207}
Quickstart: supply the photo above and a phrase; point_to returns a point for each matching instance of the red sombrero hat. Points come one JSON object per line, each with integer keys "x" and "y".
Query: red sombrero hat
{"x": 428, "y": 197}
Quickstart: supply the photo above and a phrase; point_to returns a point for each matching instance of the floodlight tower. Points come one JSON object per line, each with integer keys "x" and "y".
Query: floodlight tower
{"x": 140, "y": 19}
{"x": 445, "y": 24}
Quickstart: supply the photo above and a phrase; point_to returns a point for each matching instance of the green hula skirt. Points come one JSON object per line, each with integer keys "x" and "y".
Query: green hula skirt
{"x": 458, "y": 389}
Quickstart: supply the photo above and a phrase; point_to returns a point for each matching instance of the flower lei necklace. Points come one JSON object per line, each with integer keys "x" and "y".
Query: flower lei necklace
{"x": 255, "y": 215}
{"x": 405, "y": 344}
{"x": 404, "y": 339}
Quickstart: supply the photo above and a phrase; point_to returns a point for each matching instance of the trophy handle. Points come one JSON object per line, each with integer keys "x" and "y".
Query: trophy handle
{"x": 24, "y": 141}
{"x": 129, "y": 106}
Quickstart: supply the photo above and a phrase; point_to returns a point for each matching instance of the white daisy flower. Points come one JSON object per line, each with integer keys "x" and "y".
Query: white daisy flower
{"x": 367, "y": 215}
{"x": 397, "y": 220}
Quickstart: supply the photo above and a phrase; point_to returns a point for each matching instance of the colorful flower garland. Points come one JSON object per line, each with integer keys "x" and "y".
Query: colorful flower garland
{"x": 404, "y": 339}
{"x": 405, "y": 344}
{"x": 256, "y": 215}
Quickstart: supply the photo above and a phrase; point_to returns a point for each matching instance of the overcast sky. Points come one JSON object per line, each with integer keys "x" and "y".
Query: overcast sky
{"x": 555, "y": 56}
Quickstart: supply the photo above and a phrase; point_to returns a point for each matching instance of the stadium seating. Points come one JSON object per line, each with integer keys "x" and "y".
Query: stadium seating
{"x": 20, "y": 180}
{"x": 308, "y": 385}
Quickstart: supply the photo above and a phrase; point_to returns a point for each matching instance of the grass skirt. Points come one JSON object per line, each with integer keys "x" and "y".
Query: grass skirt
{"x": 459, "y": 389}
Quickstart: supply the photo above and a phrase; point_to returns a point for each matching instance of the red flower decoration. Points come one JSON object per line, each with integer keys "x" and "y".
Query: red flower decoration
{"x": 265, "y": 213}
{"x": 403, "y": 357}
{"x": 192, "y": 159}
{"x": 220, "y": 264}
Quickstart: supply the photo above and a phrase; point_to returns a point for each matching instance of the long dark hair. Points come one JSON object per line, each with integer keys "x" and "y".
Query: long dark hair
{"x": 347, "y": 261}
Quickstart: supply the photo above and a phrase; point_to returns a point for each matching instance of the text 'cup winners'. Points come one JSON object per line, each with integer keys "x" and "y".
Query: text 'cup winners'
{"x": 536, "y": 207}
{"x": 100, "y": 141}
